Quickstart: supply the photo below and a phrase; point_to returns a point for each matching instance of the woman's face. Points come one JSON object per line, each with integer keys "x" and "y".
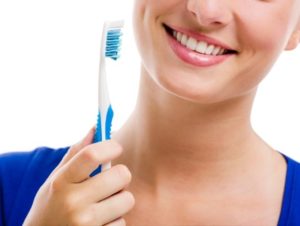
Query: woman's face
{"x": 222, "y": 48}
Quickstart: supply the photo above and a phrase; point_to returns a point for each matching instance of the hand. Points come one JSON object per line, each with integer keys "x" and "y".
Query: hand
{"x": 71, "y": 197}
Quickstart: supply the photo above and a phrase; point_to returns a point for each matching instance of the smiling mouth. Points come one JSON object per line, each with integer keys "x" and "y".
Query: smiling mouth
{"x": 200, "y": 46}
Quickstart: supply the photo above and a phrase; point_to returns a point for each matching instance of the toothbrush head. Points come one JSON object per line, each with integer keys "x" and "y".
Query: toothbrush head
{"x": 113, "y": 39}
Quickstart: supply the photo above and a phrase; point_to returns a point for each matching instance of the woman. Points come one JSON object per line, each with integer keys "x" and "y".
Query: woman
{"x": 189, "y": 147}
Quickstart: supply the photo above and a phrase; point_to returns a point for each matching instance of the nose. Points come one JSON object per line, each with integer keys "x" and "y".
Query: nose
{"x": 210, "y": 13}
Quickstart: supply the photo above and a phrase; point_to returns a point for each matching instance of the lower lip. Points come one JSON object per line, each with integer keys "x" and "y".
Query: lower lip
{"x": 194, "y": 58}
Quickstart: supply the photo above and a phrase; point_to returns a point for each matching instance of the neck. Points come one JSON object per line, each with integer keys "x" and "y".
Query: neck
{"x": 167, "y": 137}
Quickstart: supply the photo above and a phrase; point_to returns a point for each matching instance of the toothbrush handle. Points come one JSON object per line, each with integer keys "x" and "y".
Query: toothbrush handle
{"x": 103, "y": 131}
{"x": 106, "y": 126}
{"x": 98, "y": 131}
{"x": 108, "y": 122}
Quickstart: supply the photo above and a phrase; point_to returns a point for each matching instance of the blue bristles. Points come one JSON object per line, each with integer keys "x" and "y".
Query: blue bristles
{"x": 113, "y": 43}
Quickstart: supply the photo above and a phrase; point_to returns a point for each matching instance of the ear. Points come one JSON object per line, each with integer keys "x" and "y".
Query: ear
{"x": 294, "y": 39}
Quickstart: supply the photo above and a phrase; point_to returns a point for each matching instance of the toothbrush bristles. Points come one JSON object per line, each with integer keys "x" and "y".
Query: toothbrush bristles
{"x": 113, "y": 44}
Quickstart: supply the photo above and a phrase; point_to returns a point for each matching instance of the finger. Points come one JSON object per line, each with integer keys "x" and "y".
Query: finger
{"x": 118, "y": 222}
{"x": 86, "y": 161}
{"x": 74, "y": 149}
{"x": 105, "y": 184}
{"x": 114, "y": 207}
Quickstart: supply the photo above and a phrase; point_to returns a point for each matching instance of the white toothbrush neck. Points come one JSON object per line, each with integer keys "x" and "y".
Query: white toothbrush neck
{"x": 103, "y": 89}
{"x": 103, "y": 101}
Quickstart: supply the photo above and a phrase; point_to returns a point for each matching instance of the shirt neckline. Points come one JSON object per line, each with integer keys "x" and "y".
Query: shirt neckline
{"x": 288, "y": 190}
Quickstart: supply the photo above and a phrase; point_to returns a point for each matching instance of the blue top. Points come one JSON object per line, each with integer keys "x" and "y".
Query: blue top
{"x": 21, "y": 175}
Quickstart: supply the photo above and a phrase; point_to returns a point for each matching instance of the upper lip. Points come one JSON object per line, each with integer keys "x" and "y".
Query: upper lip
{"x": 200, "y": 37}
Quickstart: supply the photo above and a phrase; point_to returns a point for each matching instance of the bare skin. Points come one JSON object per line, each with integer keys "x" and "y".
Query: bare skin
{"x": 194, "y": 157}
{"x": 214, "y": 170}
{"x": 189, "y": 144}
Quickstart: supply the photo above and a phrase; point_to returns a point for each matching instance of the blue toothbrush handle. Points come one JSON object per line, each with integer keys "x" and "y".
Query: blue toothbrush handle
{"x": 108, "y": 123}
{"x": 98, "y": 137}
{"x": 98, "y": 131}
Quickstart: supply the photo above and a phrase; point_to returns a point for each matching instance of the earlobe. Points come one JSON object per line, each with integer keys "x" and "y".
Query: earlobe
{"x": 293, "y": 41}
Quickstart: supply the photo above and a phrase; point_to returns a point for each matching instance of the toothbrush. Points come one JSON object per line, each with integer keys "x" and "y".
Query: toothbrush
{"x": 110, "y": 48}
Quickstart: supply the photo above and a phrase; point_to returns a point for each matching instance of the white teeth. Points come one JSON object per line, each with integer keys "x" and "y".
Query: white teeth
{"x": 192, "y": 43}
{"x": 179, "y": 36}
{"x": 216, "y": 51}
{"x": 201, "y": 47}
{"x": 210, "y": 49}
{"x": 198, "y": 46}
{"x": 174, "y": 34}
{"x": 184, "y": 40}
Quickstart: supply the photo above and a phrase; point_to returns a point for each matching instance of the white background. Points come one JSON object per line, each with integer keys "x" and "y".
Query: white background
{"x": 49, "y": 54}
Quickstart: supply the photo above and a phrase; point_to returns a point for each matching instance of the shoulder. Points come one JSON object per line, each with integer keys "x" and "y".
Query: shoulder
{"x": 46, "y": 155}
{"x": 37, "y": 163}
{"x": 292, "y": 193}
{"x": 296, "y": 191}
{"x": 21, "y": 175}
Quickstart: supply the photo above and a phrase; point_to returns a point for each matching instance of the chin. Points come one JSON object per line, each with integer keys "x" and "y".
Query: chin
{"x": 195, "y": 90}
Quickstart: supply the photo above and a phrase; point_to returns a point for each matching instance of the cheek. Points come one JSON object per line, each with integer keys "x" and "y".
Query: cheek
{"x": 145, "y": 24}
{"x": 139, "y": 26}
{"x": 140, "y": 21}
{"x": 147, "y": 18}
{"x": 266, "y": 27}
{"x": 263, "y": 37}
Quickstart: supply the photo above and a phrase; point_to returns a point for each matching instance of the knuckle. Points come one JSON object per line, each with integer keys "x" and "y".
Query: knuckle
{"x": 81, "y": 216}
{"x": 80, "y": 219}
{"x": 90, "y": 155}
{"x": 56, "y": 185}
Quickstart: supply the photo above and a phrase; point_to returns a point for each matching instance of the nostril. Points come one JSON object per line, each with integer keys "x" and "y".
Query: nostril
{"x": 194, "y": 14}
{"x": 191, "y": 5}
